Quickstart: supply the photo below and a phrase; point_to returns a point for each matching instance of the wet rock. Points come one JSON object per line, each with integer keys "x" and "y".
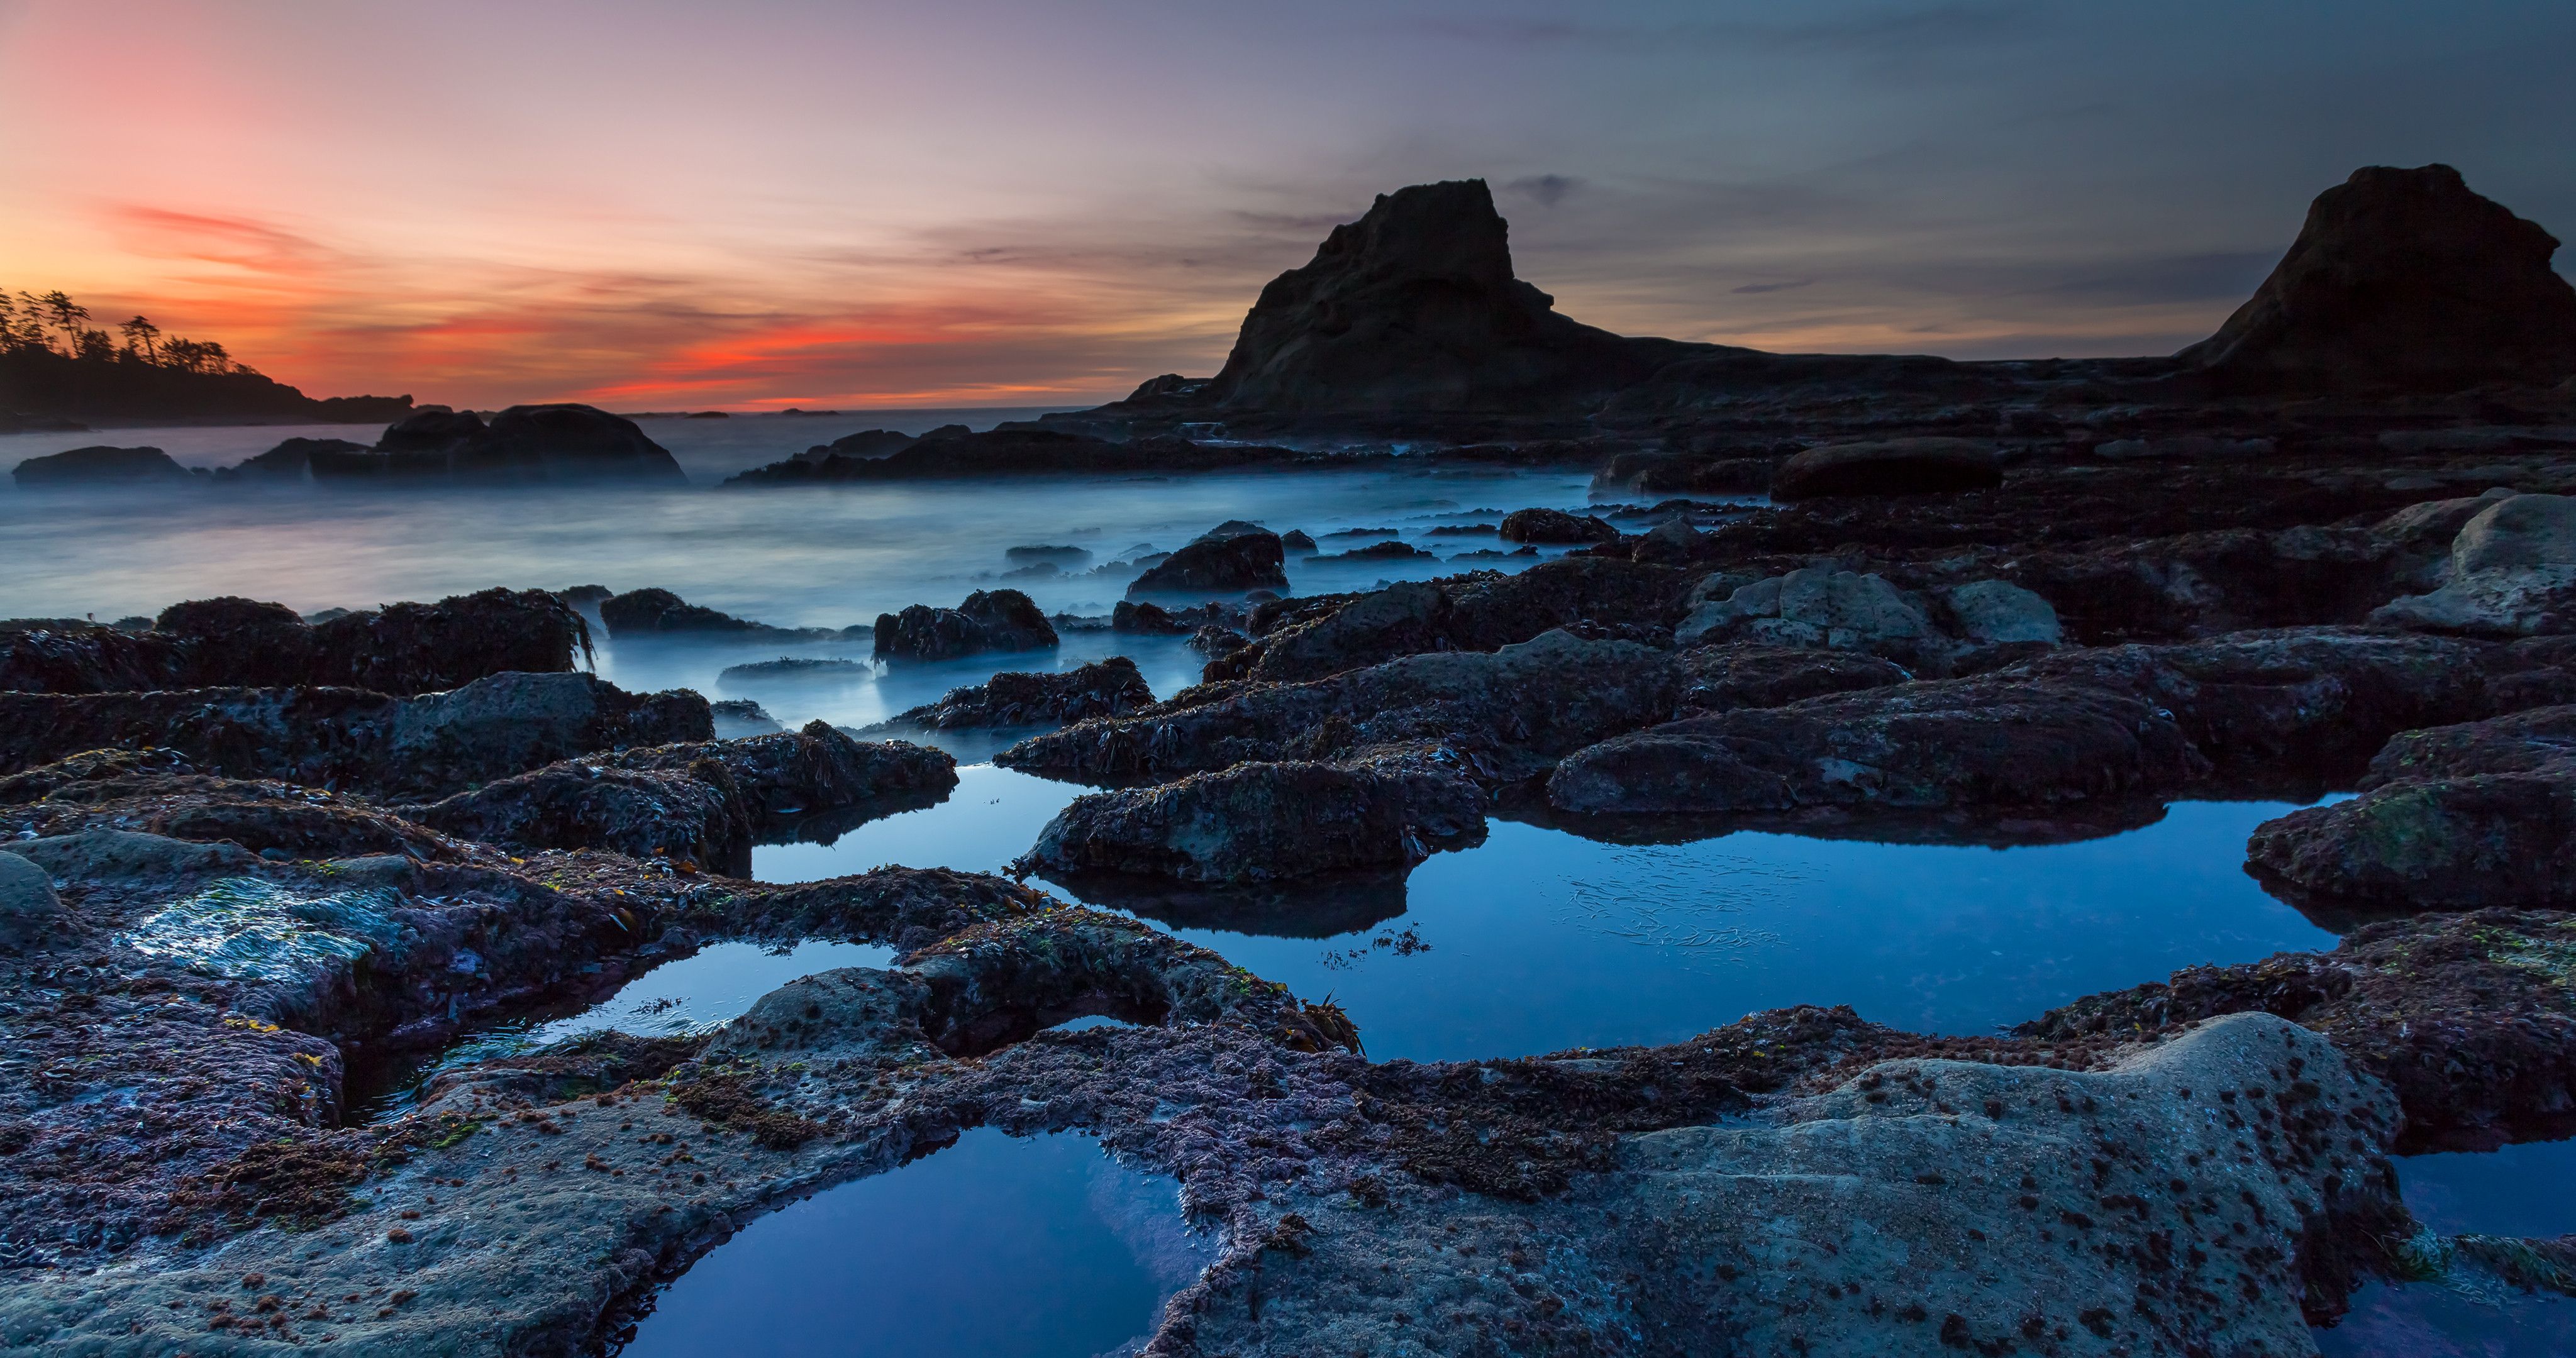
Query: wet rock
{"x": 989, "y": 620}
{"x": 273, "y": 819}
{"x": 867, "y": 443}
{"x": 2458, "y": 817}
{"x": 435, "y": 743}
{"x": 30, "y": 913}
{"x": 66, "y": 656}
{"x": 1381, "y": 551}
{"x": 1555, "y": 526}
{"x": 2512, "y": 573}
{"x": 1215, "y": 640}
{"x": 2400, "y": 278}
{"x": 1297, "y": 542}
{"x": 1414, "y": 308}
{"x": 1995, "y": 612}
{"x": 1144, "y": 619}
{"x": 1258, "y": 822}
{"x": 1724, "y": 677}
{"x": 954, "y": 453}
{"x": 91, "y": 766}
{"x": 1509, "y": 713}
{"x": 1913, "y": 466}
{"x": 2465, "y": 1016}
{"x": 791, "y": 667}
{"x": 1402, "y": 619}
{"x": 291, "y": 459}
{"x": 566, "y": 442}
{"x": 1976, "y": 741}
{"x": 100, "y": 465}
{"x": 1105, "y": 688}
{"x": 816, "y": 770}
{"x": 108, "y": 853}
{"x": 1903, "y": 1195}
{"x": 1229, "y": 559}
{"x": 1672, "y": 543}
{"x": 695, "y": 814}
{"x": 423, "y": 648}
{"x": 641, "y": 612}
{"x": 736, "y": 718}
{"x": 1842, "y": 610}
{"x": 233, "y": 640}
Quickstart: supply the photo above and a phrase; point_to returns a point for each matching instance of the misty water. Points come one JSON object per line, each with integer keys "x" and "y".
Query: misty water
{"x": 1535, "y": 940}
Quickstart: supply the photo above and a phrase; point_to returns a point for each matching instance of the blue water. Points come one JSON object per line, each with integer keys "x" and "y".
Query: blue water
{"x": 2524, "y": 1190}
{"x": 998, "y": 1247}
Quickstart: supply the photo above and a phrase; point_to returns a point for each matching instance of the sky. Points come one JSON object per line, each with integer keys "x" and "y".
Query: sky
{"x": 772, "y": 203}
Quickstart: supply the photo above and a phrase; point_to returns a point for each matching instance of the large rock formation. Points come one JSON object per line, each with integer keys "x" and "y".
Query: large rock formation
{"x": 2401, "y": 278}
{"x": 1414, "y": 308}
{"x": 98, "y": 465}
{"x": 989, "y": 620}
{"x": 536, "y": 443}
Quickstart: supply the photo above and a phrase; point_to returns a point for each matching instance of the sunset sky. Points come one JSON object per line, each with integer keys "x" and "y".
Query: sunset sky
{"x": 764, "y": 203}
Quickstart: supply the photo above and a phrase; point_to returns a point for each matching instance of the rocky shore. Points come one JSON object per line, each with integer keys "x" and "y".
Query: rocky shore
{"x": 240, "y": 855}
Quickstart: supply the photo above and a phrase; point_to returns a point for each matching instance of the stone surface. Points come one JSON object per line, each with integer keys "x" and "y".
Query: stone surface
{"x": 1555, "y": 526}
{"x": 1911, "y": 466}
{"x": 2401, "y": 278}
{"x": 1102, "y": 688}
{"x": 99, "y": 465}
{"x": 989, "y": 620}
{"x": 1230, "y": 559}
{"x": 29, "y": 911}
{"x": 1258, "y": 822}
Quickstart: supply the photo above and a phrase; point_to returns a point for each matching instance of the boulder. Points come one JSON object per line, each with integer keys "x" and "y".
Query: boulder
{"x": 1296, "y": 542}
{"x": 432, "y": 429}
{"x": 817, "y": 771}
{"x": 1258, "y": 822}
{"x": 1998, "y": 612}
{"x": 1841, "y": 610}
{"x": 2459, "y": 817}
{"x": 1726, "y": 676}
{"x": 2512, "y": 570}
{"x": 739, "y": 717}
{"x": 99, "y": 466}
{"x": 989, "y": 620}
{"x": 92, "y": 855}
{"x": 75, "y": 656}
{"x": 866, "y": 443}
{"x": 1509, "y": 714}
{"x": 233, "y": 640}
{"x": 1148, "y": 620}
{"x": 1231, "y": 559}
{"x": 30, "y": 913}
{"x": 952, "y": 453}
{"x": 291, "y": 459}
{"x": 1401, "y": 619}
{"x": 420, "y": 648}
{"x": 1555, "y": 526}
{"x": 2400, "y": 278}
{"x": 1920, "y": 746}
{"x": 1909, "y": 466}
{"x": 642, "y": 612}
{"x": 1105, "y": 688}
{"x": 691, "y": 814}
{"x": 1414, "y": 308}
{"x": 1672, "y": 543}
{"x": 567, "y": 442}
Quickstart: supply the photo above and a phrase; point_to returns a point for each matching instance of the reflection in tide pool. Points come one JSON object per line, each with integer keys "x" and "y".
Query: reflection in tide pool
{"x": 1539, "y": 940}
{"x": 2525, "y": 1190}
{"x": 716, "y": 983}
{"x": 1002, "y": 1247}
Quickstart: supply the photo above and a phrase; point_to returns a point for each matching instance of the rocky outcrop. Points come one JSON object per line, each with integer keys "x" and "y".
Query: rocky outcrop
{"x": 1915, "y": 466}
{"x": 645, "y": 612}
{"x": 401, "y": 648}
{"x": 319, "y": 737}
{"x": 1555, "y": 526}
{"x": 693, "y": 816}
{"x": 1232, "y": 558}
{"x": 1848, "y": 611}
{"x": 953, "y": 453}
{"x": 1726, "y": 676}
{"x": 2274, "y": 709}
{"x": 2456, "y": 817}
{"x": 1414, "y": 308}
{"x": 1259, "y": 822}
{"x": 989, "y": 620}
{"x": 99, "y": 465}
{"x": 528, "y": 444}
{"x": 1508, "y": 714}
{"x": 2511, "y": 570}
{"x": 1104, "y": 688}
{"x": 2401, "y": 278}
{"x": 292, "y": 459}
{"x": 816, "y": 772}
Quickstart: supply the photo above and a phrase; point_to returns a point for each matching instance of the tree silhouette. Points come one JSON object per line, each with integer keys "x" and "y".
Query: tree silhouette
{"x": 141, "y": 335}
{"x": 67, "y": 316}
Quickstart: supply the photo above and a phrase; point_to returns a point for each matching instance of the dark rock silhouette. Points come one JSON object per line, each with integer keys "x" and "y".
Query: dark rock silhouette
{"x": 532, "y": 443}
{"x": 943, "y": 454}
{"x": 1414, "y": 308}
{"x": 639, "y": 612}
{"x": 989, "y": 620}
{"x": 99, "y": 465}
{"x": 1918, "y": 466}
{"x": 2401, "y": 278}
{"x": 292, "y": 459}
{"x": 1105, "y": 688}
{"x": 1228, "y": 559}
{"x": 1555, "y": 525}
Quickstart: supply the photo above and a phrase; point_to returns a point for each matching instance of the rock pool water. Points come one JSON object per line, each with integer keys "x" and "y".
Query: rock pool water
{"x": 2525, "y": 1190}
{"x": 1001, "y": 1247}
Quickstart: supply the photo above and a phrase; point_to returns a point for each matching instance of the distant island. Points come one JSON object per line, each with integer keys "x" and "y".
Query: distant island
{"x": 58, "y": 370}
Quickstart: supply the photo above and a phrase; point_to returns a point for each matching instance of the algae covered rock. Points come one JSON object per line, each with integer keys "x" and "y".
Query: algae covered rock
{"x": 989, "y": 620}
{"x": 1232, "y": 558}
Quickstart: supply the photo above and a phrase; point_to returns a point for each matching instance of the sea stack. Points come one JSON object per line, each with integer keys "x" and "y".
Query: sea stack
{"x": 2404, "y": 279}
